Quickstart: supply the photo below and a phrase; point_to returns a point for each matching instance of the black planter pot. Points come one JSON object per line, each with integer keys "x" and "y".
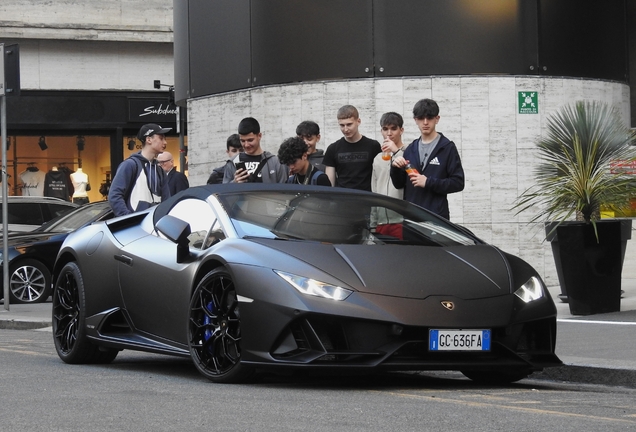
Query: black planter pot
{"x": 551, "y": 236}
{"x": 590, "y": 271}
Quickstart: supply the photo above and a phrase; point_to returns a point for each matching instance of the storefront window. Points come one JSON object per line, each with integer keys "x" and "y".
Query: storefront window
{"x": 58, "y": 166}
{"x": 74, "y": 168}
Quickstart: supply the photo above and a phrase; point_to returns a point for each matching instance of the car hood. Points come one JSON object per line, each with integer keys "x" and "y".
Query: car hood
{"x": 467, "y": 272}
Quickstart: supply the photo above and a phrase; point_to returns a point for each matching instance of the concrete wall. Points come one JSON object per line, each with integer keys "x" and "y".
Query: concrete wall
{"x": 479, "y": 113}
{"x": 112, "y": 20}
{"x": 88, "y": 65}
{"x": 90, "y": 45}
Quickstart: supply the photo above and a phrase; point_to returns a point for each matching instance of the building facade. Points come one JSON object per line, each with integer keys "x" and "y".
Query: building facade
{"x": 498, "y": 69}
{"x": 87, "y": 72}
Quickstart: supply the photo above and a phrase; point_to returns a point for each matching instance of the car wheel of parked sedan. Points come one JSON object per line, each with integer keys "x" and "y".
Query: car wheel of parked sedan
{"x": 214, "y": 329}
{"x": 29, "y": 282}
{"x": 498, "y": 377}
{"x": 69, "y": 330}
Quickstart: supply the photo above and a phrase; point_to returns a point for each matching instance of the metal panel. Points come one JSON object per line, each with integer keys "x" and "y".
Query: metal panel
{"x": 237, "y": 44}
{"x": 631, "y": 43}
{"x": 219, "y": 46}
{"x": 301, "y": 40}
{"x": 11, "y": 56}
{"x": 582, "y": 38}
{"x": 181, "y": 51}
{"x": 432, "y": 37}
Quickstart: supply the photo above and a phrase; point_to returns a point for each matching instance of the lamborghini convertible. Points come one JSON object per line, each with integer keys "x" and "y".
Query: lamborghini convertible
{"x": 245, "y": 278}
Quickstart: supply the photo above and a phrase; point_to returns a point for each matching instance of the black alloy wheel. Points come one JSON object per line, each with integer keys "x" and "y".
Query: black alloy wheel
{"x": 214, "y": 329}
{"x": 69, "y": 329}
{"x": 29, "y": 282}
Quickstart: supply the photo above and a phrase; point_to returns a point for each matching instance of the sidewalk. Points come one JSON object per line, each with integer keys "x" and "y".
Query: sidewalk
{"x": 26, "y": 316}
{"x": 595, "y": 349}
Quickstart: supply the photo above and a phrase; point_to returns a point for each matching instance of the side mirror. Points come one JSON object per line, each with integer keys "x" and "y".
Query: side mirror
{"x": 177, "y": 231}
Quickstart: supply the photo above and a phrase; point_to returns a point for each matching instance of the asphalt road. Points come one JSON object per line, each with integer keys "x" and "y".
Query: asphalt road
{"x": 146, "y": 392}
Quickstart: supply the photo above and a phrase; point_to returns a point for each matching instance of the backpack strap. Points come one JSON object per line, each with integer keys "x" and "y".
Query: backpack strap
{"x": 258, "y": 169}
{"x": 314, "y": 177}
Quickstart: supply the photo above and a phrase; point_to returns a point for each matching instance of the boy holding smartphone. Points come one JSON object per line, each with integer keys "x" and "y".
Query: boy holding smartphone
{"x": 254, "y": 165}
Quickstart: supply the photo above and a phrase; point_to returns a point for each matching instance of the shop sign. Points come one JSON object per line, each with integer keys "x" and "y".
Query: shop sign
{"x": 528, "y": 102}
{"x": 151, "y": 111}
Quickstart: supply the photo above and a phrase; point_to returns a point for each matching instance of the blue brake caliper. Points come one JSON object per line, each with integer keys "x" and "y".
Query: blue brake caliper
{"x": 207, "y": 321}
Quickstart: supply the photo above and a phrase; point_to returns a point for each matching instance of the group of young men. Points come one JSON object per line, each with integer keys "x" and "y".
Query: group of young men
{"x": 354, "y": 161}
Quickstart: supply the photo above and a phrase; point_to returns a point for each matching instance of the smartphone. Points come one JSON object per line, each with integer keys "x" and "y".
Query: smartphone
{"x": 240, "y": 165}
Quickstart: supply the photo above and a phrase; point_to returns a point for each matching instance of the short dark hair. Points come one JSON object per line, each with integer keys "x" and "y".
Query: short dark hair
{"x": 234, "y": 141}
{"x": 391, "y": 118}
{"x": 307, "y": 128}
{"x": 425, "y": 108}
{"x": 348, "y": 111}
{"x": 249, "y": 125}
{"x": 291, "y": 149}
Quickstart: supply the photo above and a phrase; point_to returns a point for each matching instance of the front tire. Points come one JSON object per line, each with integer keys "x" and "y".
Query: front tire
{"x": 29, "y": 282}
{"x": 69, "y": 315}
{"x": 214, "y": 329}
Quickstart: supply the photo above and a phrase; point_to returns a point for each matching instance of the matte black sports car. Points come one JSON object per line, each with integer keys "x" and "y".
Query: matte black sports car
{"x": 32, "y": 255}
{"x": 246, "y": 277}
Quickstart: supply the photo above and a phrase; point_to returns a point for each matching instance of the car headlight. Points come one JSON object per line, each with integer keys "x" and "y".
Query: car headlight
{"x": 315, "y": 288}
{"x": 531, "y": 290}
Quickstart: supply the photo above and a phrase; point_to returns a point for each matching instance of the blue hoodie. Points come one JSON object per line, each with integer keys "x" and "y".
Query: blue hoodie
{"x": 444, "y": 174}
{"x": 137, "y": 185}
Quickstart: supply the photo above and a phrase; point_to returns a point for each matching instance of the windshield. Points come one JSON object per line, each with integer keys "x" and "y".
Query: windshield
{"x": 330, "y": 217}
{"x": 77, "y": 218}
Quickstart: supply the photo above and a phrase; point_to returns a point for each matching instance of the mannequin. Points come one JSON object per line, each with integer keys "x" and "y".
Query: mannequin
{"x": 80, "y": 182}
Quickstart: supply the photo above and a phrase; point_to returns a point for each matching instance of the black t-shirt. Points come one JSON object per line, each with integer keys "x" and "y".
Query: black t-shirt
{"x": 251, "y": 164}
{"x": 57, "y": 185}
{"x": 353, "y": 162}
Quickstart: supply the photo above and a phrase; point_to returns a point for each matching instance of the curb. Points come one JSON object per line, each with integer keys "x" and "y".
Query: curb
{"x": 23, "y": 325}
{"x": 588, "y": 375}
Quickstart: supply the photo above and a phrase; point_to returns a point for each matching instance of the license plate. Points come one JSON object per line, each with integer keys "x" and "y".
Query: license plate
{"x": 459, "y": 340}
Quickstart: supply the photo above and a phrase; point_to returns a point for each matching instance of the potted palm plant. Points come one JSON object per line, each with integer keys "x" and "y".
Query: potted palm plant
{"x": 574, "y": 179}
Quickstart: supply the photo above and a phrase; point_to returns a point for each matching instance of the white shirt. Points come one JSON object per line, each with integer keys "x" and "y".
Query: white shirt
{"x": 32, "y": 183}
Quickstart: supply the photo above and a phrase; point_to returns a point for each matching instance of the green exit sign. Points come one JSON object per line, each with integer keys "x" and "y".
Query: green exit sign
{"x": 528, "y": 102}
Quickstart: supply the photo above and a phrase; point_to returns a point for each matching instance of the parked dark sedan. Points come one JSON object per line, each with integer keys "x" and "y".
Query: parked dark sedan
{"x": 27, "y": 213}
{"x": 32, "y": 255}
{"x": 243, "y": 277}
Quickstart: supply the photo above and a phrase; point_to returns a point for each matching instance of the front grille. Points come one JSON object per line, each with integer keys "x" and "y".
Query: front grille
{"x": 334, "y": 340}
